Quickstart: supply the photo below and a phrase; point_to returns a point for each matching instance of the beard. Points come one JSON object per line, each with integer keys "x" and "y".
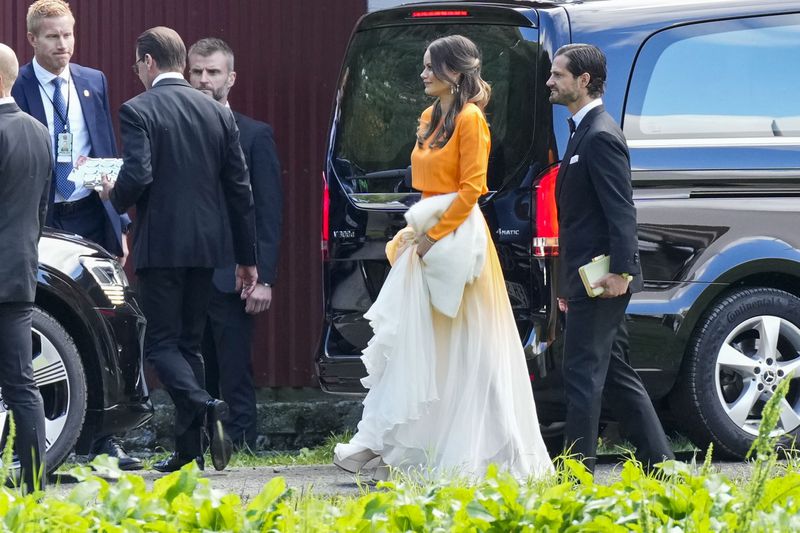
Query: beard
{"x": 217, "y": 94}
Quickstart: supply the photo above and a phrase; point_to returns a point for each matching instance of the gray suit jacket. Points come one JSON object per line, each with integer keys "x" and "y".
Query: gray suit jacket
{"x": 25, "y": 170}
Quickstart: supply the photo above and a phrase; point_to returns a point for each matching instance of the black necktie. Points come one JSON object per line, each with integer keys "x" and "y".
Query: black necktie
{"x": 571, "y": 126}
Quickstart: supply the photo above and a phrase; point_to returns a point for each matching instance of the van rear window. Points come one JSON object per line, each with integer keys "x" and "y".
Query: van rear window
{"x": 381, "y": 97}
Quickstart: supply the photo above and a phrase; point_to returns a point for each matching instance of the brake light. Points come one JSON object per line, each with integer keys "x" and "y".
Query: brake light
{"x": 545, "y": 243}
{"x": 326, "y": 207}
{"x": 440, "y": 13}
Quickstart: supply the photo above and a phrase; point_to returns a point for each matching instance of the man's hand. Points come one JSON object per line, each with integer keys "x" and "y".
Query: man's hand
{"x": 563, "y": 306}
{"x": 107, "y": 186}
{"x": 246, "y": 278}
{"x": 260, "y": 299}
{"x": 613, "y": 284}
{"x": 125, "y": 251}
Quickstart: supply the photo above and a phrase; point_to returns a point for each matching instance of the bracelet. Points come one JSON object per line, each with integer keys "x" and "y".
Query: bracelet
{"x": 430, "y": 240}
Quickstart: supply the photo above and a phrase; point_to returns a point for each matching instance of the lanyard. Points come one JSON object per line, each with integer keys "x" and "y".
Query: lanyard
{"x": 64, "y": 119}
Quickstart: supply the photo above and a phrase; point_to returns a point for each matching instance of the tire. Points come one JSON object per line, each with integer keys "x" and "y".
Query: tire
{"x": 59, "y": 373}
{"x": 743, "y": 347}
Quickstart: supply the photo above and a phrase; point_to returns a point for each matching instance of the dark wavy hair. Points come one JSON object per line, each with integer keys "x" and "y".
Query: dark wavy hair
{"x": 457, "y": 54}
{"x": 586, "y": 58}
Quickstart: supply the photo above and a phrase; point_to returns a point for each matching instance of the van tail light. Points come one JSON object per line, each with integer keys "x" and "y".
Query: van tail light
{"x": 545, "y": 243}
{"x": 326, "y": 208}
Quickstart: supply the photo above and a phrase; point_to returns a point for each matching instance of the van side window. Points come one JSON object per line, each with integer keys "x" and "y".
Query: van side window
{"x": 733, "y": 81}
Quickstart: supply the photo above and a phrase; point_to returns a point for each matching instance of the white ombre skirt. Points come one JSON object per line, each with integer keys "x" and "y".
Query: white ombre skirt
{"x": 449, "y": 395}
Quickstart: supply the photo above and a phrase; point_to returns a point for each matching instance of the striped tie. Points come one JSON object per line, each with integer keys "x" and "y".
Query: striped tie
{"x": 64, "y": 186}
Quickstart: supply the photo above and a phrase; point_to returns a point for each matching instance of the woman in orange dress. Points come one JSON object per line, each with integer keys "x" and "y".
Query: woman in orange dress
{"x": 448, "y": 393}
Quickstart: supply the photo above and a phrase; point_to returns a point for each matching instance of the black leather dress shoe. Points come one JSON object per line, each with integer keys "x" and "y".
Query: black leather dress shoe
{"x": 175, "y": 462}
{"x": 111, "y": 447}
{"x": 220, "y": 445}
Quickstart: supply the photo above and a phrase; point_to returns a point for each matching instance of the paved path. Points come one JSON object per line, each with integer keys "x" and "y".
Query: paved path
{"x": 327, "y": 479}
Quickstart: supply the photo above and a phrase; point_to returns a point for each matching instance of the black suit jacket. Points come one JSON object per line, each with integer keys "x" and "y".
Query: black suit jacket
{"x": 92, "y": 89}
{"x": 265, "y": 178}
{"x": 596, "y": 214}
{"x": 25, "y": 170}
{"x": 184, "y": 170}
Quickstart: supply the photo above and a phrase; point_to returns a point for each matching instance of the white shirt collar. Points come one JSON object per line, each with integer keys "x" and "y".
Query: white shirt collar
{"x": 577, "y": 117}
{"x": 45, "y": 76}
{"x": 167, "y": 75}
{"x": 7, "y": 100}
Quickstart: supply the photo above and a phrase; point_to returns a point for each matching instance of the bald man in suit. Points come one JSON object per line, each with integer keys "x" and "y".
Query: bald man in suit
{"x": 25, "y": 169}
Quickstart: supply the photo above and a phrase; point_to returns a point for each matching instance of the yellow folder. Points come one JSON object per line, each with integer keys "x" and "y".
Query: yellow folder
{"x": 593, "y": 271}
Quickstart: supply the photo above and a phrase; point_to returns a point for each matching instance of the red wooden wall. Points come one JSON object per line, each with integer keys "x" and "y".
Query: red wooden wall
{"x": 288, "y": 54}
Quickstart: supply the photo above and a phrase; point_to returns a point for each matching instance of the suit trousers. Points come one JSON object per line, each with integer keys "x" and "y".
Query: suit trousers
{"x": 175, "y": 302}
{"x": 85, "y": 217}
{"x": 596, "y": 371}
{"x": 229, "y": 372}
{"x": 20, "y": 392}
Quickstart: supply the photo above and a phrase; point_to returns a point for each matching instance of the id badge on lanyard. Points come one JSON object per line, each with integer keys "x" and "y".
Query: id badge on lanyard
{"x": 64, "y": 148}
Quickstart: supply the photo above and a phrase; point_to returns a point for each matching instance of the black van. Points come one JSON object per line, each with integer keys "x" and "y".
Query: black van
{"x": 707, "y": 95}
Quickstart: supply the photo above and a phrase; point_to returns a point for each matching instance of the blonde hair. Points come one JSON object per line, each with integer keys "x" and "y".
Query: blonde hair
{"x": 457, "y": 54}
{"x": 42, "y": 9}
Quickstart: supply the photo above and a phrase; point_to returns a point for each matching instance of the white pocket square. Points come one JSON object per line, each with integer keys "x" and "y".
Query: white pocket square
{"x": 574, "y": 159}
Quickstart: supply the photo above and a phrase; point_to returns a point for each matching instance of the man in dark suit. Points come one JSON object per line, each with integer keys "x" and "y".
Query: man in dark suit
{"x": 185, "y": 172}
{"x": 25, "y": 169}
{"x": 229, "y": 331}
{"x": 78, "y": 111}
{"x": 596, "y": 216}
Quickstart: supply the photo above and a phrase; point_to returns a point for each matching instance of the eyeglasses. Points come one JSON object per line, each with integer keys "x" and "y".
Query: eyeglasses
{"x": 135, "y": 66}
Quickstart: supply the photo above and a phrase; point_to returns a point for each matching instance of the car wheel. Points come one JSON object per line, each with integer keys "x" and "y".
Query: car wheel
{"x": 744, "y": 346}
{"x": 60, "y": 377}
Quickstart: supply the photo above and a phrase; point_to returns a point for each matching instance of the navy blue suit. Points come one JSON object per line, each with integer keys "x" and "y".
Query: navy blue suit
{"x": 91, "y": 86}
{"x": 229, "y": 329}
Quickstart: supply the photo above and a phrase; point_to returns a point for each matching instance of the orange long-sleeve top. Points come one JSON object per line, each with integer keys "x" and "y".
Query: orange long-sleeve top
{"x": 459, "y": 166}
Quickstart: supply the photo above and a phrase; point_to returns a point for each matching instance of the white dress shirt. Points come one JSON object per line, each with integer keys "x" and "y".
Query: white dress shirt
{"x": 167, "y": 75}
{"x": 7, "y": 100}
{"x": 81, "y": 144}
{"x": 577, "y": 117}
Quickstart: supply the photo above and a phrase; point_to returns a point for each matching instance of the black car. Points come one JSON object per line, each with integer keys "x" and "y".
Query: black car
{"x": 88, "y": 334}
{"x": 706, "y": 93}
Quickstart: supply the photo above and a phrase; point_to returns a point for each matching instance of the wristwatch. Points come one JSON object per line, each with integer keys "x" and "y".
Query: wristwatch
{"x": 264, "y": 283}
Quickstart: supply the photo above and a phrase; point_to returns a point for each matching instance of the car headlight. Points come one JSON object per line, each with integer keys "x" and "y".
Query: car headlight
{"x": 109, "y": 275}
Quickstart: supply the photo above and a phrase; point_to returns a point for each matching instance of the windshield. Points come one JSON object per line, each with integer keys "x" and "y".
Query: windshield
{"x": 381, "y": 97}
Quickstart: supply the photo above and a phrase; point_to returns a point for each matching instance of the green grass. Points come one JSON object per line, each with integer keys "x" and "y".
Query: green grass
{"x": 678, "y": 443}
{"x": 677, "y": 497}
{"x": 318, "y": 455}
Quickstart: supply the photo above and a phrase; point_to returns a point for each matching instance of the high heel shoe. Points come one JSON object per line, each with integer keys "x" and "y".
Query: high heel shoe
{"x": 382, "y": 472}
{"x": 354, "y": 462}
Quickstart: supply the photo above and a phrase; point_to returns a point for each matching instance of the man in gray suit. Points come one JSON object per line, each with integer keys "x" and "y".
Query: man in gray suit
{"x": 25, "y": 169}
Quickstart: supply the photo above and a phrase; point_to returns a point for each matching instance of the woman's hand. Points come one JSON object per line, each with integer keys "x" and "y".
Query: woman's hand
{"x": 424, "y": 245}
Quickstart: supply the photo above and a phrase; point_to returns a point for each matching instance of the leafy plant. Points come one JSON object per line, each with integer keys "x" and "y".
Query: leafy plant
{"x": 677, "y": 497}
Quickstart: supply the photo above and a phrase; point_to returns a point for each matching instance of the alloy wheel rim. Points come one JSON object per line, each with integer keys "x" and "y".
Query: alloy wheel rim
{"x": 754, "y": 358}
{"x": 50, "y": 375}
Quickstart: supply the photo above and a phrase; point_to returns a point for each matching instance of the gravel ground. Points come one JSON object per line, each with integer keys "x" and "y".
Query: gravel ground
{"x": 329, "y": 480}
